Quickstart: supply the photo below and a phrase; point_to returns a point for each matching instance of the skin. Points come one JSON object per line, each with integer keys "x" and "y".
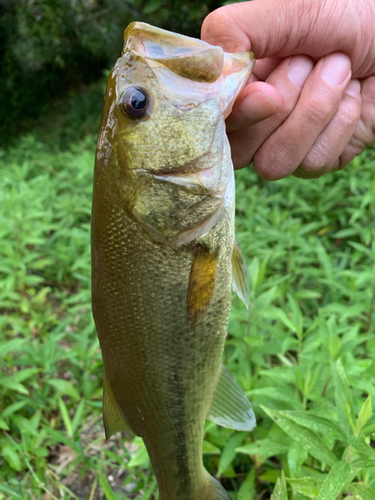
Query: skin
{"x": 162, "y": 241}
{"x": 313, "y": 85}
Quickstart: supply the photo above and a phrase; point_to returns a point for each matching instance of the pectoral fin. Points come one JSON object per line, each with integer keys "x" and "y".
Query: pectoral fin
{"x": 113, "y": 419}
{"x": 240, "y": 275}
{"x": 201, "y": 283}
{"x": 230, "y": 406}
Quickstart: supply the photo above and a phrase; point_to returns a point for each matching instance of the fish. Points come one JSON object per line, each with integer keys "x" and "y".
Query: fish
{"x": 164, "y": 253}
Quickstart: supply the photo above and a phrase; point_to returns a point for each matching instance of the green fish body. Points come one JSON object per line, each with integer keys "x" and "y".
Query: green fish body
{"x": 164, "y": 253}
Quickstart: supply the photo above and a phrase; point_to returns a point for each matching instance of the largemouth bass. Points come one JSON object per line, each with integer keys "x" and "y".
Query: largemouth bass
{"x": 164, "y": 253}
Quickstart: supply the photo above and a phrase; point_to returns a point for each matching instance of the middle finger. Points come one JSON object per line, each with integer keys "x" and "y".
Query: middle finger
{"x": 320, "y": 98}
{"x": 288, "y": 80}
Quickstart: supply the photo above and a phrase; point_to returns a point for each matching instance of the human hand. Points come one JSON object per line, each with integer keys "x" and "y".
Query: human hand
{"x": 314, "y": 79}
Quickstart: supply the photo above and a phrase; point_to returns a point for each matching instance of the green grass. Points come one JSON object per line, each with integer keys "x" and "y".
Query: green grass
{"x": 304, "y": 352}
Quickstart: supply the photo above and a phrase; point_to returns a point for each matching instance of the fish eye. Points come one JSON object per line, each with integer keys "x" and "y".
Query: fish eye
{"x": 135, "y": 102}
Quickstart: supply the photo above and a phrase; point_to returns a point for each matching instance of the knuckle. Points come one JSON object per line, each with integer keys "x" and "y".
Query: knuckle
{"x": 220, "y": 28}
{"x": 318, "y": 158}
{"x": 271, "y": 166}
{"x": 286, "y": 108}
{"x": 349, "y": 112}
{"x": 314, "y": 161}
{"x": 320, "y": 108}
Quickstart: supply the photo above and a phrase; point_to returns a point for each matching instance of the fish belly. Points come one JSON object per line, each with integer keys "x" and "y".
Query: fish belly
{"x": 162, "y": 369}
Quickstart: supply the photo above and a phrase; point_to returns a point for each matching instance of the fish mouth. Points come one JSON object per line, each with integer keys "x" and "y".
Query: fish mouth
{"x": 190, "y": 71}
{"x": 200, "y": 181}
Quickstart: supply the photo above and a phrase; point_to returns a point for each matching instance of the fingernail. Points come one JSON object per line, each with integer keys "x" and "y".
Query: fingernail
{"x": 259, "y": 106}
{"x": 353, "y": 88}
{"x": 299, "y": 68}
{"x": 335, "y": 69}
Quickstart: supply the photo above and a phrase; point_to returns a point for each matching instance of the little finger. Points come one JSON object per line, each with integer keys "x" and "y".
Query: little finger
{"x": 325, "y": 153}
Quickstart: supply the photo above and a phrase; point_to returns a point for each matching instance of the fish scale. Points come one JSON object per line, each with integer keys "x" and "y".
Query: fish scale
{"x": 162, "y": 254}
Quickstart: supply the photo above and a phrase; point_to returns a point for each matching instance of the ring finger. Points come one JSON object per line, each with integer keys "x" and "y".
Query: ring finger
{"x": 288, "y": 80}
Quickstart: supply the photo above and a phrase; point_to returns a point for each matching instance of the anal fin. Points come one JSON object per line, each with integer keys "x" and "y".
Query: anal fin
{"x": 113, "y": 419}
{"x": 230, "y": 406}
{"x": 240, "y": 275}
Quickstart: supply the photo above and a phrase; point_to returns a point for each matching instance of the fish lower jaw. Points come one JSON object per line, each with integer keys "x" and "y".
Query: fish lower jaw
{"x": 205, "y": 180}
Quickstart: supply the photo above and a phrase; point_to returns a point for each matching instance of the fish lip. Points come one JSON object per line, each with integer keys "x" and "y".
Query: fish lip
{"x": 190, "y": 180}
{"x": 182, "y": 169}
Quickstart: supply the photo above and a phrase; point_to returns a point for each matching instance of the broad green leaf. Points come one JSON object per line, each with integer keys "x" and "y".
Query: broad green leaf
{"x": 361, "y": 446}
{"x": 22, "y": 375}
{"x": 140, "y": 459}
{"x": 270, "y": 476}
{"x": 9, "y": 491}
{"x": 4, "y": 425}
{"x": 210, "y": 448}
{"x": 65, "y": 387}
{"x": 324, "y": 259}
{"x": 264, "y": 447}
{"x": 306, "y": 438}
{"x": 369, "y": 429}
{"x": 254, "y": 274}
{"x": 343, "y": 398}
{"x": 65, "y": 417}
{"x": 13, "y": 385}
{"x": 296, "y": 456}
{"x": 41, "y": 452}
{"x": 280, "y": 491}
{"x": 364, "y": 414}
{"x": 78, "y": 416}
{"x": 9, "y": 346}
{"x": 308, "y": 486}
{"x": 264, "y": 299}
{"x": 316, "y": 423}
{"x": 334, "y": 347}
{"x": 247, "y": 488}
{"x": 11, "y": 456}
{"x": 278, "y": 394}
{"x": 282, "y": 316}
{"x": 361, "y": 492}
{"x": 340, "y": 474}
{"x": 229, "y": 452}
{"x": 297, "y": 317}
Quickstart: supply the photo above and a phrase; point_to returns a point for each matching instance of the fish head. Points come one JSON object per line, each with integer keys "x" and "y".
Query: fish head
{"x": 162, "y": 143}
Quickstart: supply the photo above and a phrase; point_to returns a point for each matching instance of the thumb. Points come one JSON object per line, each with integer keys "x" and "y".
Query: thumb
{"x": 279, "y": 28}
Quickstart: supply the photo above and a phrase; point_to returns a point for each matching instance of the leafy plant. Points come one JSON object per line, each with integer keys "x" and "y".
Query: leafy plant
{"x": 304, "y": 352}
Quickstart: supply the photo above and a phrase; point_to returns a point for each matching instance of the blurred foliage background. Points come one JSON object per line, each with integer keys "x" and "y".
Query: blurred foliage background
{"x": 304, "y": 353}
{"x": 49, "y": 47}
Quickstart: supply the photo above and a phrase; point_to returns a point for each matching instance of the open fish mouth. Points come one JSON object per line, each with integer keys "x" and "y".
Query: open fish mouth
{"x": 189, "y": 71}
